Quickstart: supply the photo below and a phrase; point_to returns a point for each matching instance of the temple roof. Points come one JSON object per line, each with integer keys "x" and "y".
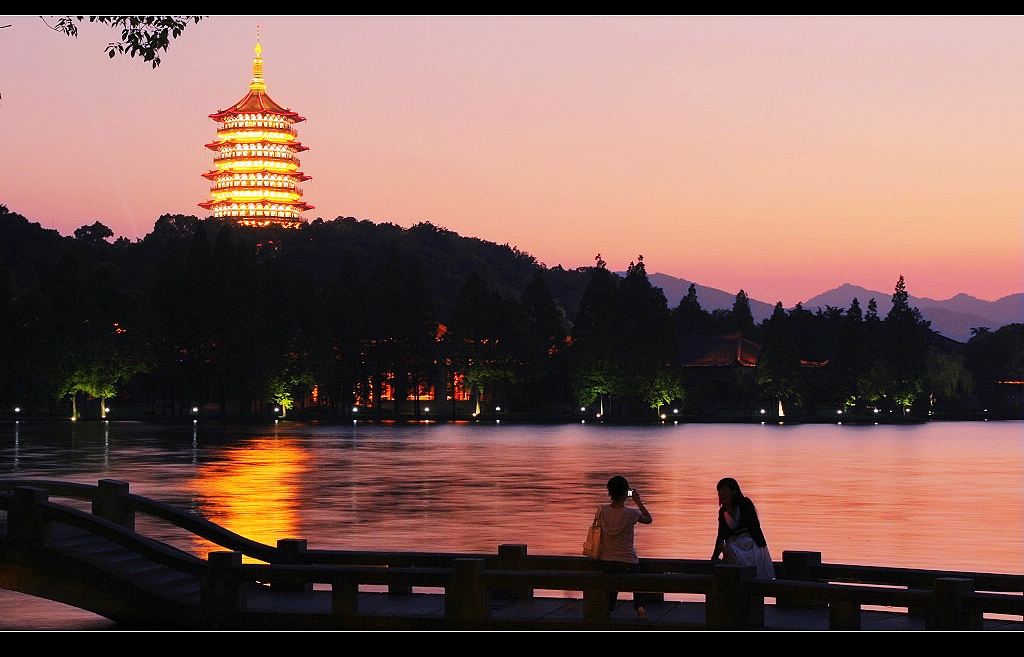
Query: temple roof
{"x": 718, "y": 351}
{"x": 294, "y": 145}
{"x": 257, "y": 102}
{"x": 302, "y": 206}
{"x": 213, "y": 174}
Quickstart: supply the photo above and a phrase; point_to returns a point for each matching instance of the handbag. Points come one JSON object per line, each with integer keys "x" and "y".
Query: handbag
{"x": 592, "y": 546}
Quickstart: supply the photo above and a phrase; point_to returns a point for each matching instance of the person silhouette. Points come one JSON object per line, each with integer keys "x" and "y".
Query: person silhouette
{"x": 740, "y": 539}
{"x": 618, "y": 553}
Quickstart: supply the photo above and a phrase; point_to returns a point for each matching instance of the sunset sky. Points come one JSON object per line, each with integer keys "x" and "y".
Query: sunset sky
{"x": 780, "y": 155}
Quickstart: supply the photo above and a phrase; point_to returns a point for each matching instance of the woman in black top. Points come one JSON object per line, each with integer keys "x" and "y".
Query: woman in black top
{"x": 740, "y": 539}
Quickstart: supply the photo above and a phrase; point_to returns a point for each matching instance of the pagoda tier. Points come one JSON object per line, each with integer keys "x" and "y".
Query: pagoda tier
{"x": 256, "y": 173}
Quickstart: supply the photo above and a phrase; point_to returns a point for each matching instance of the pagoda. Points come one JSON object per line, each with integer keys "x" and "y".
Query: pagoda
{"x": 256, "y": 176}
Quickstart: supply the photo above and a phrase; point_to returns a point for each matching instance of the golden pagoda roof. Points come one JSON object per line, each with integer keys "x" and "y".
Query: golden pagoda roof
{"x": 257, "y": 102}
{"x": 301, "y": 206}
{"x": 294, "y": 145}
{"x": 213, "y": 174}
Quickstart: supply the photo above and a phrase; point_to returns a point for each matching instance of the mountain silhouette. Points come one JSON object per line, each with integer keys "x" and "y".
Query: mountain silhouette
{"x": 953, "y": 318}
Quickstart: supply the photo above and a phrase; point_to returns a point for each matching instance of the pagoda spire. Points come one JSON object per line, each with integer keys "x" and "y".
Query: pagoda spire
{"x": 257, "y": 83}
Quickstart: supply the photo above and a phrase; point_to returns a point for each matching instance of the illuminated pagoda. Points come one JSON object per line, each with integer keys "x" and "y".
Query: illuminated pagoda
{"x": 256, "y": 176}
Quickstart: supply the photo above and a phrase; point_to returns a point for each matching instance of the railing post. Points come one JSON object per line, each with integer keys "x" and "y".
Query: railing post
{"x": 25, "y": 523}
{"x": 344, "y": 596}
{"x": 222, "y": 589}
{"x": 292, "y": 551}
{"x": 512, "y": 557}
{"x": 111, "y": 503}
{"x": 797, "y": 565}
{"x": 595, "y": 603}
{"x": 649, "y": 596}
{"x": 731, "y": 603}
{"x": 399, "y": 589}
{"x": 466, "y": 597}
{"x": 948, "y": 611}
{"x": 844, "y": 615}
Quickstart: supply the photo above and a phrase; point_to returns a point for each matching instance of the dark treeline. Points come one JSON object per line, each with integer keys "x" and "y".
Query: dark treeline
{"x": 350, "y": 317}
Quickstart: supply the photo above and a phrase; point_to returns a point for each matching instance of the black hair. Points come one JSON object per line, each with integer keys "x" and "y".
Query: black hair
{"x": 617, "y": 487}
{"x": 732, "y": 485}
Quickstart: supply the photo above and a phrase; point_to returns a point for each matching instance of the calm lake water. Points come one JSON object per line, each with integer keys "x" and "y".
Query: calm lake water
{"x": 941, "y": 495}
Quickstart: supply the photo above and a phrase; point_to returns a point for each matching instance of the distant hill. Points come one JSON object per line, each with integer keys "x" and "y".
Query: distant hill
{"x": 953, "y": 318}
{"x": 709, "y": 297}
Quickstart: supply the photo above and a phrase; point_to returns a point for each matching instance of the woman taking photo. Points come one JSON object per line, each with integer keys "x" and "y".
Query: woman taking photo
{"x": 618, "y": 555}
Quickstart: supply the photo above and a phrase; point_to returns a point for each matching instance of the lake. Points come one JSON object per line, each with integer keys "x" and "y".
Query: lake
{"x": 941, "y": 495}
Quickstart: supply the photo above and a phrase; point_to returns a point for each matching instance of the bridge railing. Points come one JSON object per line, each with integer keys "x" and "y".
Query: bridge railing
{"x": 111, "y": 500}
{"x": 734, "y": 597}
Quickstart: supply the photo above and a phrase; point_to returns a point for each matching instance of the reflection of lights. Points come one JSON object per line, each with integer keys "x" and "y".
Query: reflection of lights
{"x": 252, "y": 490}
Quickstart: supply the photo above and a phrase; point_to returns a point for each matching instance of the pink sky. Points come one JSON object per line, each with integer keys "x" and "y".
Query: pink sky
{"x": 783, "y": 156}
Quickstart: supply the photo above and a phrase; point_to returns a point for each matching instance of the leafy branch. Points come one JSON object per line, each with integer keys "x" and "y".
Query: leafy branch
{"x": 141, "y": 36}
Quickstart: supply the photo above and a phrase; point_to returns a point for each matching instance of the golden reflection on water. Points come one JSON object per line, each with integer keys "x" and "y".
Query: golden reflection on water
{"x": 252, "y": 489}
